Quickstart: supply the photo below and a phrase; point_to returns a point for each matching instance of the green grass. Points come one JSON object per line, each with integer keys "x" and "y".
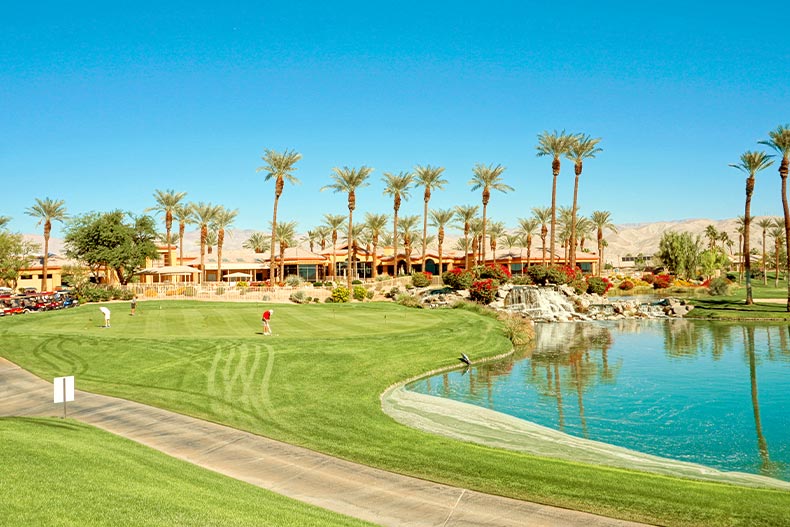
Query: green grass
{"x": 57, "y": 472}
{"x": 733, "y": 306}
{"x": 317, "y": 383}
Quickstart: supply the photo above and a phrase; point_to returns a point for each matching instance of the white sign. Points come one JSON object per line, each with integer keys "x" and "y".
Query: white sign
{"x": 64, "y": 388}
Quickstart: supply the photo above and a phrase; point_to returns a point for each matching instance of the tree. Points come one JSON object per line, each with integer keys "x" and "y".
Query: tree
{"x": 322, "y": 235}
{"x": 397, "y": 186}
{"x": 495, "y": 231}
{"x": 527, "y": 227}
{"x": 440, "y": 218}
{"x": 348, "y": 180}
{"x": 112, "y": 240}
{"x": 488, "y": 178}
{"x": 286, "y": 237}
{"x": 4, "y": 221}
{"x": 431, "y": 179}
{"x": 777, "y": 233}
{"x": 279, "y": 167}
{"x": 257, "y": 242}
{"x": 333, "y": 222}
{"x": 375, "y": 224}
{"x": 601, "y": 219}
{"x": 712, "y": 260}
{"x": 584, "y": 147}
{"x": 751, "y": 163}
{"x": 680, "y": 252}
{"x": 222, "y": 221}
{"x": 765, "y": 224}
{"x": 543, "y": 215}
{"x": 204, "y": 215}
{"x": 47, "y": 211}
{"x": 779, "y": 140}
{"x": 183, "y": 214}
{"x": 556, "y": 145}
{"x": 464, "y": 215}
{"x": 166, "y": 203}
{"x": 15, "y": 254}
{"x": 408, "y": 231}
{"x": 712, "y": 235}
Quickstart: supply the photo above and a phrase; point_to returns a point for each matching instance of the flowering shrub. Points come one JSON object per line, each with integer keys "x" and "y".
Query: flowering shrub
{"x": 458, "y": 278}
{"x": 662, "y": 281}
{"x": 501, "y": 274}
{"x": 626, "y": 285}
{"x": 542, "y": 274}
{"x": 421, "y": 279}
{"x": 360, "y": 292}
{"x": 649, "y": 278}
{"x": 484, "y": 291}
{"x": 598, "y": 286}
{"x": 340, "y": 294}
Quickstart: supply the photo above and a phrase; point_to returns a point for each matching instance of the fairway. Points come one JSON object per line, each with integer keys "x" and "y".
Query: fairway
{"x": 317, "y": 382}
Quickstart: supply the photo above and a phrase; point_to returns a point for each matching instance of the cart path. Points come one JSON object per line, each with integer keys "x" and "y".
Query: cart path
{"x": 348, "y": 488}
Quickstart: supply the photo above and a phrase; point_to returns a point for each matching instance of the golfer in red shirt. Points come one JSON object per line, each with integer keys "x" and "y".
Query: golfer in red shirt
{"x": 267, "y": 330}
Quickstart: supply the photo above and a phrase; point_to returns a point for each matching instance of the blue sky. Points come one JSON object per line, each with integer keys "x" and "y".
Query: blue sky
{"x": 101, "y": 104}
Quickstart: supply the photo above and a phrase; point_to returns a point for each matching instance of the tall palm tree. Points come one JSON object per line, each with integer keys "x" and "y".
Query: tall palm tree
{"x": 310, "y": 238}
{"x": 286, "y": 237}
{"x": 556, "y": 145}
{"x": 440, "y": 218}
{"x": 564, "y": 224}
{"x": 751, "y": 163}
{"x": 602, "y": 220}
{"x": 488, "y": 178}
{"x": 712, "y": 235}
{"x": 584, "y": 147}
{"x": 204, "y": 214}
{"x": 464, "y": 215}
{"x": 740, "y": 222}
{"x": 333, "y": 222}
{"x": 348, "y": 180}
{"x": 777, "y": 233}
{"x": 166, "y": 203}
{"x": 47, "y": 211}
{"x": 4, "y": 221}
{"x": 527, "y": 227}
{"x": 725, "y": 240}
{"x": 257, "y": 242}
{"x": 397, "y": 186}
{"x": 222, "y": 221}
{"x": 476, "y": 230}
{"x": 779, "y": 140}
{"x": 543, "y": 215}
{"x": 495, "y": 232}
{"x": 408, "y": 231}
{"x": 584, "y": 228}
{"x": 431, "y": 179}
{"x": 375, "y": 224}
{"x": 322, "y": 235}
{"x": 211, "y": 240}
{"x": 765, "y": 224}
{"x": 184, "y": 214}
{"x": 279, "y": 167}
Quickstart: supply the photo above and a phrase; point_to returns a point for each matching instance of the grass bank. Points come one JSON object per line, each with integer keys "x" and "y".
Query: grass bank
{"x": 57, "y": 472}
{"x": 733, "y": 306}
{"x": 317, "y": 382}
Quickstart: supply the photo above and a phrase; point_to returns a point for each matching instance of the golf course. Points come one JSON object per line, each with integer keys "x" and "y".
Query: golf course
{"x": 316, "y": 382}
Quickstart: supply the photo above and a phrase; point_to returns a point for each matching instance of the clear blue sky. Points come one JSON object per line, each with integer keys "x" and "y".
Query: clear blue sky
{"x": 102, "y": 103}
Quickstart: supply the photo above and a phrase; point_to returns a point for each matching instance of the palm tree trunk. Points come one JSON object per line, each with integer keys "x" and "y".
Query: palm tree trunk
{"x": 220, "y": 242}
{"x": 424, "y": 229}
{"x": 440, "y": 240}
{"x": 203, "y": 233}
{"x": 395, "y": 239}
{"x": 600, "y": 252}
{"x": 374, "y": 261}
{"x": 578, "y": 170}
{"x": 765, "y": 270}
{"x": 348, "y": 249}
{"x": 543, "y": 256}
{"x": 776, "y": 258}
{"x": 274, "y": 237}
{"x": 334, "y": 256}
{"x": 181, "y": 228}
{"x": 555, "y": 166}
{"x": 529, "y": 254}
{"x": 283, "y": 247}
{"x": 45, "y": 263}
{"x": 483, "y": 251}
{"x": 783, "y": 168}
{"x": 168, "y": 229}
{"x": 466, "y": 248}
{"x": 747, "y": 260}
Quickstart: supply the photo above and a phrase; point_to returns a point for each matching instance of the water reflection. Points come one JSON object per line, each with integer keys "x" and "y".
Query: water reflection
{"x": 674, "y": 388}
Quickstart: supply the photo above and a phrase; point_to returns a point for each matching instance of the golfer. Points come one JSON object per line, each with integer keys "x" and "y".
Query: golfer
{"x": 267, "y": 315}
{"x": 134, "y": 305}
{"x": 106, "y": 313}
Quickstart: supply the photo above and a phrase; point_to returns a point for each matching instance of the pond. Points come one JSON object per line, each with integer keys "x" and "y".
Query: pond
{"x": 711, "y": 393}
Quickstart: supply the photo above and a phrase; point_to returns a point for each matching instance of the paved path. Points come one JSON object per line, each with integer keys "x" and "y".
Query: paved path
{"x": 341, "y": 486}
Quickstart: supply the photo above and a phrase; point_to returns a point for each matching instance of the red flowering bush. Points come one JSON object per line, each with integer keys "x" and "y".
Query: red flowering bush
{"x": 662, "y": 281}
{"x": 502, "y": 274}
{"x": 598, "y": 286}
{"x": 484, "y": 291}
{"x": 421, "y": 279}
{"x": 458, "y": 278}
{"x": 649, "y": 278}
{"x": 626, "y": 285}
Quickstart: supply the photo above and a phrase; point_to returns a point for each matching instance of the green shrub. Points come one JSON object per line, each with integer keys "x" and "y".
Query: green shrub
{"x": 293, "y": 280}
{"x": 392, "y": 293}
{"x": 360, "y": 292}
{"x": 356, "y": 282}
{"x": 580, "y": 286}
{"x": 458, "y": 278}
{"x": 719, "y": 286}
{"x": 598, "y": 286}
{"x": 328, "y": 300}
{"x": 626, "y": 285}
{"x": 298, "y": 297}
{"x": 518, "y": 329}
{"x": 370, "y": 294}
{"x": 340, "y": 294}
{"x": 408, "y": 300}
{"x": 420, "y": 279}
{"x": 501, "y": 274}
{"x": 317, "y": 284}
{"x": 316, "y": 300}
{"x": 521, "y": 279}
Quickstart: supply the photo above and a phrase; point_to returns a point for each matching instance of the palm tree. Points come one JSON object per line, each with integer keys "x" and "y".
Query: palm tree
{"x": 166, "y": 203}
{"x": 488, "y": 178}
{"x": 4, "y": 221}
{"x": 279, "y": 167}
{"x": 397, "y": 186}
{"x": 476, "y": 229}
{"x": 725, "y": 240}
{"x": 374, "y": 224}
{"x": 430, "y": 178}
{"x": 765, "y": 224}
{"x": 310, "y": 238}
{"x": 526, "y": 229}
{"x": 333, "y": 222}
{"x": 286, "y": 237}
{"x": 211, "y": 240}
{"x": 601, "y": 219}
{"x": 495, "y": 231}
{"x": 440, "y": 218}
{"x": 464, "y": 215}
{"x": 183, "y": 214}
{"x": 322, "y": 235}
{"x": 564, "y": 223}
{"x": 584, "y": 147}
{"x": 204, "y": 214}
{"x": 741, "y": 222}
{"x": 584, "y": 228}
{"x": 751, "y": 163}
{"x": 408, "y": 231}
{"x": 348, "y": 180}
{"x": 257, "y": 242}
{"x": 543, "y": 215}
{"x": 779, "y": 140}
{"x": 712, "y": 235}
{"x": 777, "y": 233}
{"x": 556, "y": 145}
{"x": 47, "y": 211}
{"x": 222, "y": 221}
